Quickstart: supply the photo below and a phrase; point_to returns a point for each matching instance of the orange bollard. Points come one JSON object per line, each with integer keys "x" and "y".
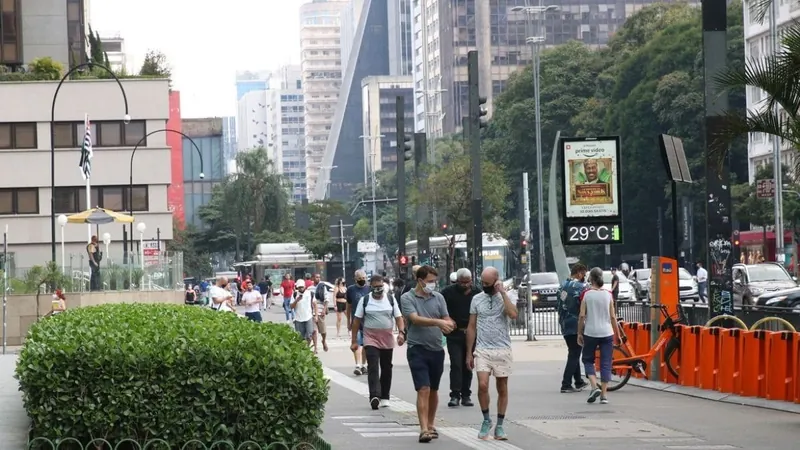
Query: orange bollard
{"x": 780, "y": 370}
{"x": 755, "y": 348}
{"x": 687, "y": 355}
{"x": 730, "y": 361}
{"x": 709, "y": 360}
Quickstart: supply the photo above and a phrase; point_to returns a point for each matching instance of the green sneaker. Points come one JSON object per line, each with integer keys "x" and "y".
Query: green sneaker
{"x": 500, "y": 433}
{"x": 486, "y": 427}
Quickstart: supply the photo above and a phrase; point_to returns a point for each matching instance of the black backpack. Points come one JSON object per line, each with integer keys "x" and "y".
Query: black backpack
{"x": 365, "y": 302}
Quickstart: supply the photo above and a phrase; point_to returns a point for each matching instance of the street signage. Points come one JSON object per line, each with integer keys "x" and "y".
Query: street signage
{"x": 367, "y": 247}
{"x": 592, "y": 200}
{"x": 150, "y": 252}
{"x": 765, "y": 188}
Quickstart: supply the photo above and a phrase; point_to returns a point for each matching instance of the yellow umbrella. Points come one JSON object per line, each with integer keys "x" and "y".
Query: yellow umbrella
{"x": 98, "y": 216}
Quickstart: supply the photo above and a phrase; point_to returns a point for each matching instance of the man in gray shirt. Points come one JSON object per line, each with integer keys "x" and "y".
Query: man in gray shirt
{"x": 488, "y": 329}
{"x": 427, "y": 315}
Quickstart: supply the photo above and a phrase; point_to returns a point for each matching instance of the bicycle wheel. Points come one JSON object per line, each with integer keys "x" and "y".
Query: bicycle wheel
{"x": 619, "y": 377}
{"x": 673, "y": 350}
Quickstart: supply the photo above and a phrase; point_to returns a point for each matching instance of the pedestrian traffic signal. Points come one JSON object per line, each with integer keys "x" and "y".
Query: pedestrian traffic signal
{"x": 408, "y": 151}
{"x": 524, "y": 245}
{"x": 482, "y": 112}
{"x": 435, "y": 259}
{"x": 413, "y": 260}
{"x": 736, "y": 238}
{"x": 444, "y": 227}
{"x": 403, "y": 260}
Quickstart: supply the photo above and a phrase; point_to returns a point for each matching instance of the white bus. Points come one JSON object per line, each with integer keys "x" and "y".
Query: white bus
{"x": 276, "y": 260}
{"x": 495, "y": 252}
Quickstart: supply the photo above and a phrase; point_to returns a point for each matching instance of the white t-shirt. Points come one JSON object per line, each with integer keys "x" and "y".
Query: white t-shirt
{"x": 217, "y": 292}
{"x": 251, "y": 296}
{"x": 702, "y": 275}
{"x": 303, "y": 311}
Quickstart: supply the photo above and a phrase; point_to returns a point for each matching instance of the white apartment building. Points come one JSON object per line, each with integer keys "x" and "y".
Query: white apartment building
{"x": 252, "y": 129}
{"x": 25, "y": 146}
{"x": 287, "y": 127}
{"x": 758, "y": 44}
{"x": 114, "y": 46}
{"x": 321, "y": 67}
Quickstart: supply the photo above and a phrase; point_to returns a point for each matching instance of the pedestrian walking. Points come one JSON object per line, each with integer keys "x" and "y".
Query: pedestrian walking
{"x": 568, "y": 307}
{"x": 221, "y": 297}
{"x": 287, "y": 289}
{"x": 614, "y": 284}
{"x": 375, "y": 317}
{"x": 265, "y": 287}
{"x": 252, "y": 302}
{"x": 413, "y": 284}
{"x": 702, "y": 282}
{"x": 458, "y": 297}
{"x": 304, "y": 312}
{"x": 488, "y": 331}
{"x": 426, "y": 312}
{"x": 353, "y": 294}
{"x": 597, "y": 328}
{"x": 340, "y": 297}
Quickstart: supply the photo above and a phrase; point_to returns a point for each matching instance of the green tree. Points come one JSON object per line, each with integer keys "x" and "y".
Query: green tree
{"x": 155, "y": 65}
{"x": 196, "y": 260}
{"x": 318, "y": 239}
{"x": 96, "y": 53}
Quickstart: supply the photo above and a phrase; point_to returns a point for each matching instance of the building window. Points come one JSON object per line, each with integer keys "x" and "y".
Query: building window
{"x": 9, "y": 32}
{"x": 17, "y": 135}
{"x": 69, "y": 200}
{"x": 19, "y": 201}
{"x": 104, "y": 134}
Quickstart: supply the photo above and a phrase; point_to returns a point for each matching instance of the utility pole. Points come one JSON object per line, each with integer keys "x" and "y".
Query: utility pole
{"x": 5, "y": 288}
{"x": 423, "y": 219}
{"x": 476, "y": 113}
{"x": 526, "y": 258}
{"x": 776, "y": 146}
{"x": 372, "y": 164}
{"x": 341, "y": 227}
{"x": 404, "y": 153}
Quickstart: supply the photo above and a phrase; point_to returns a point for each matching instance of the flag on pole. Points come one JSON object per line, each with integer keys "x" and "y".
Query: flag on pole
{"x": 86, "y": 151}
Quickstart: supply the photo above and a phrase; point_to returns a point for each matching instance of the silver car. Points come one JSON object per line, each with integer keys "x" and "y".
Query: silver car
{"x": 687, "y": 285}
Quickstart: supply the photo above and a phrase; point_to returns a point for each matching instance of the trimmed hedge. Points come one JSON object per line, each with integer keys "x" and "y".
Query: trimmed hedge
{"x": 141, "y": 372}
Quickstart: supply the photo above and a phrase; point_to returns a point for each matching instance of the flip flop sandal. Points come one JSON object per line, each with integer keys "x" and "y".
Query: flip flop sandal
{"x": 434, "y": 434}
{"x": 425, "y": 437}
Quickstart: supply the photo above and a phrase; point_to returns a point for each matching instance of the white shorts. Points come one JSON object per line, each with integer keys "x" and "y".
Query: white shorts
{"x": 495, "y": 361}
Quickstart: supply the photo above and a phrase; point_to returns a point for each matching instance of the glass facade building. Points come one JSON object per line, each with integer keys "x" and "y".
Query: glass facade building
{"x": 208, "y": 135}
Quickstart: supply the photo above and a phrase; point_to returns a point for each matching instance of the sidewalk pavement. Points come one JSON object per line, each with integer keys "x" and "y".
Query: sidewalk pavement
{"x": 14, "y": 422}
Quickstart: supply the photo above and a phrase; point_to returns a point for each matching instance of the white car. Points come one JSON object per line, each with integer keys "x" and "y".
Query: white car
{"x": 687, "y": 285}
{"x": 625, "y": 288}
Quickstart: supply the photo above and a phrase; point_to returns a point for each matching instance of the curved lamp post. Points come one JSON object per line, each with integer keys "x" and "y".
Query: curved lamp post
{"x": 130, "y": 184}
{"x": 62, "y": 220}
{"x": 126, "y": 119}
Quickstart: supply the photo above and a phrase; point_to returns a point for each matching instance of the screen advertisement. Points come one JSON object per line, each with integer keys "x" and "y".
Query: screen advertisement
{"x": 591, "y": 177}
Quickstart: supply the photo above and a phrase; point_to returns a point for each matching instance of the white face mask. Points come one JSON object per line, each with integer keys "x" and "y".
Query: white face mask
{"x": 429, "y": 288}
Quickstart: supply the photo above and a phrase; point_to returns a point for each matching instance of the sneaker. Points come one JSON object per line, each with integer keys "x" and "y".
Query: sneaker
{"x": 569, "y": 390}
{"x": 453, "y": 401}
{"x": 486, "y": 427}
{"x": 500, "y": 433}
{"x": 375, "y": 402}
{"x": 593, "y": 395}
{"x": 581, "y": 386}
{"x": 466, "y": 401}
{"x": 603, "y": 401}
{"x": 384, "y": 403}
{"x": 357, "y": 371}
{"x": 363, "y": 370}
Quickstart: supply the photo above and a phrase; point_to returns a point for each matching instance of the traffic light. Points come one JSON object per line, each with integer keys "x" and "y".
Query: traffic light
{"x": 413, "y": 260}
{"x": 482, "y": 112}
{"x": 435, "y": 259}
{"x": 403, "y": 260}
{"x": 444, "y": 227}
{"x": 524, "y": 245}
{"x": 736, "y": 238}
{"x": 408, "y": 150}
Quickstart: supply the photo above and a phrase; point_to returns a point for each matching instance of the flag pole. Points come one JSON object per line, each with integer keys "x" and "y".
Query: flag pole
{"x": 88, "y": 184}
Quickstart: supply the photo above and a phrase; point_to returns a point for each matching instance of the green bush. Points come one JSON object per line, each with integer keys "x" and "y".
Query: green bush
{"x": 177, "y": 373}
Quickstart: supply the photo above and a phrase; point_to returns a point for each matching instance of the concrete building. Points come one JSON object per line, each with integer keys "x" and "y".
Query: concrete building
{"x": 251, "y": 121}
{"x": 208, "y": 134}
{"x": 758, "y": 45}
{"x": 25, "y": 195}
{"x": 445, "y": 30}
{"x": 286, "y": 117}
{"x": 114, "y": 46}
{"x": 321, "y": 66}
{"x": 379, "y": 96}
{"x": 38, "y": 28}
{"x": 247, "y": 81}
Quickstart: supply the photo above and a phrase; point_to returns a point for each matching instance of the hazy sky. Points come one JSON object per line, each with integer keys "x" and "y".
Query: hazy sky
{"x": 205, "y": 41}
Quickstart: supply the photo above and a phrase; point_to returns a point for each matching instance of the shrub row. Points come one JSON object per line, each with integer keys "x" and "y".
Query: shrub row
{"x": 141, "y": 372}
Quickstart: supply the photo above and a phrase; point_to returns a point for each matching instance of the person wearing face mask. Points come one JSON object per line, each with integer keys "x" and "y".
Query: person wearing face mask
{"x": 220, "y": 298}
{"x": 355, "y": 293}
{"x": 252, "y": 302}
{"x": 303, "y": 306}
{"x": 375, "y": 317}
{"x": 426, "y": 312}
{"x": 458, "y": 297}
{"x": 488, "y": 331}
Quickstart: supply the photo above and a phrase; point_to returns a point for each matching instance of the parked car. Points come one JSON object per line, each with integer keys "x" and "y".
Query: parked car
{"x": 687, "y": 284}
{"x": 750, "y": 281}
{"x": 787, "y": 298}
{"x": 625, "y": 289}
{"x": 544, "y": 287}
{"x": 640, "y": 281}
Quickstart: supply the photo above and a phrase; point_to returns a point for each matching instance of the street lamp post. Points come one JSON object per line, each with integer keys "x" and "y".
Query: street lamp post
{"x": 535, "y": 42}
{"x": 372, "y": 154}
{"x": 130, "y": 180}
{"x": 126, "y": 119}
{"x": 62, "y": 221}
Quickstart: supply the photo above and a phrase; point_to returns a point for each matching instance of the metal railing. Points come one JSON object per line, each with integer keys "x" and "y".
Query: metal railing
{"x": 41, "y": 443}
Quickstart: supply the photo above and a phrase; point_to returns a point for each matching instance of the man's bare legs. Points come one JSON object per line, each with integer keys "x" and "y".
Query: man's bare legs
{"x": 424, "y": 396}
{"x": 433, "y": 406}
{"x": 483, "y": 401}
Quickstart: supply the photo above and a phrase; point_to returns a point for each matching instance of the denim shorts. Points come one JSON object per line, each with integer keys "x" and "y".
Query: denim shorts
{"x": 426, "y": 367}
{"x": 306, "y": 329}
{"x": 254, "y": 316}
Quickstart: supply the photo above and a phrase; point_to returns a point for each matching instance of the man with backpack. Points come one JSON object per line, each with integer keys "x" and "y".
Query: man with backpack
{"x": 375, "y": 317}
{"x": 568, "y": 307}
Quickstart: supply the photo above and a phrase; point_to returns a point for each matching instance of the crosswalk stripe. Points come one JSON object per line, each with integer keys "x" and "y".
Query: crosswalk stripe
{"x": 469, "y": 437}
{"x": 368, "y": 424}
{"x": 354, "y": 417}
{"x": 398, "y": 434}
{"x": 396, "y": 429}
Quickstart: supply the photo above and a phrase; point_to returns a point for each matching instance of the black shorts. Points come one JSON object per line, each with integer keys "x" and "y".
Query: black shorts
{"x": 426, "y": 367}
{"x": 341, "y": 306}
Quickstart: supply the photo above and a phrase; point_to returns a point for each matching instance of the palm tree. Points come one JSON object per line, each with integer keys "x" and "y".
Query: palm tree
{"x": 778, "y": 76}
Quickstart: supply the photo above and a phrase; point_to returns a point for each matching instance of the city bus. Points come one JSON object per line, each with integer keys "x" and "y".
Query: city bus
{"x": 278, "y": 259}
{"x": 495, "y": 253}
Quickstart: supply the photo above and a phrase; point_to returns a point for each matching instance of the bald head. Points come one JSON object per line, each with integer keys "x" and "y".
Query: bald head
{"x": 222, "y": 281}
{"x": 489, "y": 276}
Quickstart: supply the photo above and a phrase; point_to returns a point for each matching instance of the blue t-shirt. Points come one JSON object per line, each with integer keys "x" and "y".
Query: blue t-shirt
{"x": 569, "y": 305}
{"x": 354, "y": 294}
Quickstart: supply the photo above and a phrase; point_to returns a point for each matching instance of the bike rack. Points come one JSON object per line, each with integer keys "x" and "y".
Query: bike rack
{"x": 781, "y": 320}
{"x": 738, "y": 321}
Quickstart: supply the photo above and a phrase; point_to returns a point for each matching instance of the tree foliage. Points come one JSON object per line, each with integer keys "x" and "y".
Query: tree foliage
{"x": 196, "y": 260}
{"x": 318, "y": 239}
{"x": 96, "y": 53}
{"x": 155, "y": 65}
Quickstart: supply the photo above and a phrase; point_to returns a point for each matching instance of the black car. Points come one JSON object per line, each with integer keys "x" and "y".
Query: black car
{"x": 787, "y": 298}
{"x": 544, "y": 290}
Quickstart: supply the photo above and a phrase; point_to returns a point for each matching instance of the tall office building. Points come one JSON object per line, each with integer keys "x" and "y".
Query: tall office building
{"x": 207, "y": 133}
{"x": 229, "y": 140}
{"x": 37, "y": 28}
{"x": 321, "y": 66}
{"x": 287, "y": 127}
{"x": 373, "y": 53}
{"x": 114, "y": 47}
{"x": 758, "y": 44}
{"x": 445, "y": 30}
{"x": 379, "y": 99}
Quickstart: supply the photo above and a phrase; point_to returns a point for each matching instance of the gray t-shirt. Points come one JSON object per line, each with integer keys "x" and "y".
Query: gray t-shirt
{"x": 492, "y": 322}
{"x": 432, "y": 307}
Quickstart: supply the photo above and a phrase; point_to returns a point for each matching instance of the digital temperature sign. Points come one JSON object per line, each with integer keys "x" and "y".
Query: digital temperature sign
{"x": 593, "y": 233}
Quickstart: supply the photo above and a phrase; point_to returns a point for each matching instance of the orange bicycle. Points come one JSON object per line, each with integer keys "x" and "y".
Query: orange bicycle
{"x": 625, "y": 360}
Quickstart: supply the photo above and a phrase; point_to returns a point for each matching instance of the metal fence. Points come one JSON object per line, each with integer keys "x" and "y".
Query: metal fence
{"x": 40, "y": 443}
{"x": 545, "y": 320}
{"x": 161, "y": 270}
